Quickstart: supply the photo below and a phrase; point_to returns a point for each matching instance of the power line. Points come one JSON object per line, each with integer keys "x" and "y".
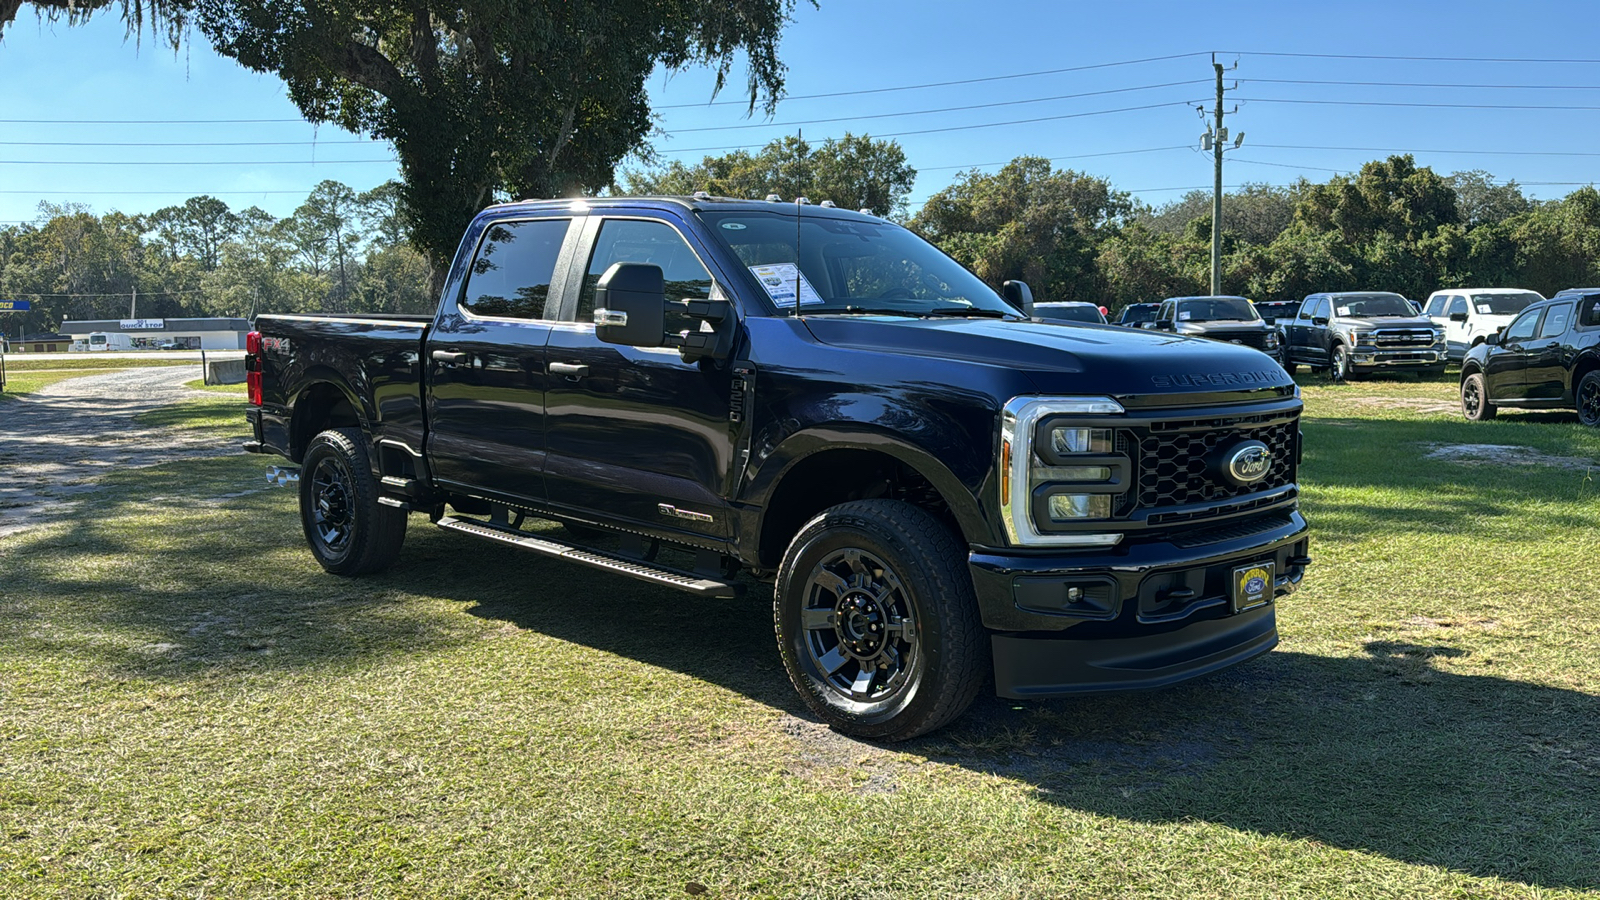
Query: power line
{"x": 178, "y": 143}
{"x": 1098, "y": 112}
{"x": 924, "y": 112}
{"x": 193, "y": 162}
{"x": 1426, "y": 84}
{"x": 1058, "y": 158}
{"x": 934, "y": 84}
{"x": 147, "y": 121}
{"x": 1430, "y": 150}
{"x": 1416, "y": 105}
{"x": 1476, "y": 59}
{"x": 145, "y": 193}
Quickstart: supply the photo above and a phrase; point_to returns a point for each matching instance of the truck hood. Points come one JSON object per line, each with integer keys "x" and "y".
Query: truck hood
{"x": 1386, "y": 321}
{"x": 1140, "y": 368}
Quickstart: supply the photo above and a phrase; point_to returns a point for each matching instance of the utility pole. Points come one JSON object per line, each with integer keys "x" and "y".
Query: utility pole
{"x": 133, "y": 302}
{"x": 1214, "y": 140}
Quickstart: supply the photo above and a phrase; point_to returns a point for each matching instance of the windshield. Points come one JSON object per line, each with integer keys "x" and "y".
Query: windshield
{"x": 1143, "y": 312}
{"x": 1068, "y": 313}
{"x": 851, "y": 266}
{"x": 1213, "y": 309}
{"x": 1278, "y": 310}
{"x": 1503, "y": 304}
{"x": 1368, "y": 305}
{"x": 97, "y": 339}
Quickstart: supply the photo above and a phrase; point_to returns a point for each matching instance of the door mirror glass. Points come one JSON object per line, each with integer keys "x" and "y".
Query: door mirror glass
{"x": 1458, "y": 317}
{"x": 630, "y": 305}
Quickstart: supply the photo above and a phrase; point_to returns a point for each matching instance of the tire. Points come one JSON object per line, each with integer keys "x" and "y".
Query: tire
{"x": 349, "y": 531}
{"x": 1588, "y": 397}
{"x": 912, "y": 630}
{"x": 1475, "y": 403}
{"x": 1339, "y": 365}
{"x": 1289, "y": 368}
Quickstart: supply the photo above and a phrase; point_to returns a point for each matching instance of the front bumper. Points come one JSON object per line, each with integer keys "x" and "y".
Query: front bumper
{"x": 1362, "y": 358}
{"x": 1143, "y": 615}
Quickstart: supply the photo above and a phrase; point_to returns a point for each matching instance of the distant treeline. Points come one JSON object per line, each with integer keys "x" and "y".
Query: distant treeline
{"x": 1394, "y": 226}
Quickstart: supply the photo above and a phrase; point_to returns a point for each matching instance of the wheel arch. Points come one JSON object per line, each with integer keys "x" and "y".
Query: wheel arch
{"x": 814, "y": 470}
{"x": 323, "y": 401}
{"x": 1587, "y": 363}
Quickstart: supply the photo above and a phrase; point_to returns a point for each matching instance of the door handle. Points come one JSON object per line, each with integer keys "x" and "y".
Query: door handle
{"x": 576, "y": 370}
{"x": 446, "y": 356}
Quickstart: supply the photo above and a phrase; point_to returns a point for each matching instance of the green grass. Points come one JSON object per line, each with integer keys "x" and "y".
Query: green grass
{"x": 199, "y": 384}
{"x": 16, "y": 362}
{"x": 27, "y": 382}
{"x": 189, "y": 706}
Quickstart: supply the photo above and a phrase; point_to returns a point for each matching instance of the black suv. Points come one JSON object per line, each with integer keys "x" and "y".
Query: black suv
{"x": 1230, "y": 319}
{"x": 1138, "y": 315}
{"x": 1547, "y": 358}
{"x": 1360, "y": 332}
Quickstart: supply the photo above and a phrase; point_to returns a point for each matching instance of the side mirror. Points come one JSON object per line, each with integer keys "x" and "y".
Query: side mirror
{"x": 1458, "y": 317}
{"x": 1162, "y": 325}
{"x": 1492, "y": 340}
{"x": 1019, "y": 295}
{"x": 1319, "y": 320}
{"x": 630, "y": 306}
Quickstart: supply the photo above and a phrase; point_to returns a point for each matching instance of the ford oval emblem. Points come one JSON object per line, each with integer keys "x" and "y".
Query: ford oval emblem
{"x": 1247, "y": 463}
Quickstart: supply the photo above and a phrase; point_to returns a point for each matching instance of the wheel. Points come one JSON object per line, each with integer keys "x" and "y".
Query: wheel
{"x": 1289, "y": 367}
{"x": 1475, "y": 403}
{"x": 1588, "y": 395}
{"x": 349, "y": 531}
{"x": 1339, "y": 364}
{"x": 877, "y": 622}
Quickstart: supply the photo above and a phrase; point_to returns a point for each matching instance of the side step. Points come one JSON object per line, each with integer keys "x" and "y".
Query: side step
{"x": 599, "y": 559}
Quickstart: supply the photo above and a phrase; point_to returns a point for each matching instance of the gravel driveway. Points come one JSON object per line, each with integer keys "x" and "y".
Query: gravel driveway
{"x": 56, "y": 443}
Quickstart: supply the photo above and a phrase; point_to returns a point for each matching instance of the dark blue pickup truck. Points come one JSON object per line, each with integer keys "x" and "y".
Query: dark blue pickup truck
{"x": 712, "y": 393}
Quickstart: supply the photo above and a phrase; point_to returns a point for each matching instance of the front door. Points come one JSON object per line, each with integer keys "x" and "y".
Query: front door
{"x": 485, "y": 364}
{"x": 637, "y": 435}
{"x": 1457, "y": 327}
{"x": 1505, "y": 367}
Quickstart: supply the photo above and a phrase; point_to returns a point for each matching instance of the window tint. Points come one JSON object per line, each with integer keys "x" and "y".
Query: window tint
{"x": 1436, "y": 305}
{"x": 1306, "y": 306}
{"x": 1591, "y": 312}
{"x": 510, "y": 277}
{"x": 1522, "y": 328}
{"x": 1458, "y": 305}
{"x": 657, "y": 243}
{"x": 1555, "y": 321}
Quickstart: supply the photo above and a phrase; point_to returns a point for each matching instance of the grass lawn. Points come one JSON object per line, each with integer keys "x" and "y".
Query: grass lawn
{"x": 189, "y": 706}
{"x": 16, "y": 362}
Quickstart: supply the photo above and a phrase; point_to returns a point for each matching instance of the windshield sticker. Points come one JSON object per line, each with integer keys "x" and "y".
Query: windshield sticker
{"x": 1184, "y": 317}
{"x": 733, "y": 226}
{"x": 782, "y": 281}
{"x": 1485, "y": 308}
{"x": 1343, "y": 310}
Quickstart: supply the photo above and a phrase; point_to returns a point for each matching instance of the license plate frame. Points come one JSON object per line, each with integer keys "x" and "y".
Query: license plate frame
{"x": 1252, "y": 585}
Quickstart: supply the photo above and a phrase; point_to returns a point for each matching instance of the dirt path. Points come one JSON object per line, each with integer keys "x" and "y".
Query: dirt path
{"x": 55, "y": 444}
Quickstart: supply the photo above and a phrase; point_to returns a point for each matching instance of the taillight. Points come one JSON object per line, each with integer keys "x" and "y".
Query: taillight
{"x": 252, "y": 367}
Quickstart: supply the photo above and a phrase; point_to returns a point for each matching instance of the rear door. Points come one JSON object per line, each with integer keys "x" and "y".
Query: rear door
{"x": 1505, "y": 367}
{"x": 637, "y": 435}
{"x": 1548, "y": 352}
{"x": 485, "y": 362}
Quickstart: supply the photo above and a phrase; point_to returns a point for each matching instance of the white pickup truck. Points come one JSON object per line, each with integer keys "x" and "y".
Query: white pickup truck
{"x": 1468, "y": 315}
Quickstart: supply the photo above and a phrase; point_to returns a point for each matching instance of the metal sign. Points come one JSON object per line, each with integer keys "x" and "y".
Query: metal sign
{"x": 15, "y": 305}
{"x": 143, "y": 324}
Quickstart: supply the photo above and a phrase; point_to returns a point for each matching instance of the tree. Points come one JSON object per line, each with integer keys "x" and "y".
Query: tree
{"x": 1392, "y": 196}
{"x": 1482, "y": 202}
{"x": 541, "y": 99}
{"x": 1028, "y": 222}
{"x": 198, "y": 228}
{"x": 1255, "y": 213}
{"x": 854, "y": 172}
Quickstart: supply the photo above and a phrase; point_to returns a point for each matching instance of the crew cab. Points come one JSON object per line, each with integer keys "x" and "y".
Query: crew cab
{"x": 1361, "y": 332}
{"x": 1230, "y": 319}
{"x": 1138, "y": 315}
{"x": 1468, "y": 315}
{"x": 714, "y": 395}
{"x": 1547, "y": 358}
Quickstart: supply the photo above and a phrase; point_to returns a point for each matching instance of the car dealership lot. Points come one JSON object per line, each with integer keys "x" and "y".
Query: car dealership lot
{"x": 188, "y": 705}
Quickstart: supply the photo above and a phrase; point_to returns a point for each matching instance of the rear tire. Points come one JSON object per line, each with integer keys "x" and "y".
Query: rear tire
{"x": 1588, "y": 397}
{"x": 1475, "y": 403}
{"x": 349, "y": 531}
{"x": 877, "y": 623}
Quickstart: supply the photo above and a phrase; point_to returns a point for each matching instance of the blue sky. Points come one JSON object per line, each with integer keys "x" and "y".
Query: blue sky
{"x": 89, "y": 81}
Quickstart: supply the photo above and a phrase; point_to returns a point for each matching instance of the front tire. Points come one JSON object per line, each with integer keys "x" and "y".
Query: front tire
{"x": 349, "y": 531}
{"x": 1339, "y": 365}
{"x": 1588, "y": 396}
{"x": 877, "y": 623}
{"x": 1475, "y": 403}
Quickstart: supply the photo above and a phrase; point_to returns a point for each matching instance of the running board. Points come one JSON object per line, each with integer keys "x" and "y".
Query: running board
{"x": 598, "y": 559}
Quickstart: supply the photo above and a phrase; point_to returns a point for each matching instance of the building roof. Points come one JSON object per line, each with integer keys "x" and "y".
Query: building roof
{"x": 85, "y": 326}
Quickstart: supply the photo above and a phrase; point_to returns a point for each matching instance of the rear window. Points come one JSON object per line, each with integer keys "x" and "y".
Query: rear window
{"x": 511, "y": 274}
{"x": 1217, "y": 309}
{"x": 1068, "y": 313}
{"x": 1144, "y": 312}
{"x": 1502, "y": 304}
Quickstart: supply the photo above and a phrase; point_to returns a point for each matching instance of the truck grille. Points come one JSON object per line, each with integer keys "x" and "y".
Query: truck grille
{"x": 1256, "y": 339}
{"x": 1176, "y": 468}
{"x": 1403, "y": 339}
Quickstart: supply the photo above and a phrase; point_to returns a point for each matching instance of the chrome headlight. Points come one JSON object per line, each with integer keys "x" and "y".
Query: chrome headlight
{"x": 1058, "y": 470}
{"x": 1272, "y": 340}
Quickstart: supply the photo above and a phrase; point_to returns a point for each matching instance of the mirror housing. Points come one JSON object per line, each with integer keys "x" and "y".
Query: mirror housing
{"x": 1319, "y": 320}
{"x": 1019, "y": 295}
{"x": 1492, "y": 339}
{"x": 1458, "y": 317}
{"x": 630, "y": 306}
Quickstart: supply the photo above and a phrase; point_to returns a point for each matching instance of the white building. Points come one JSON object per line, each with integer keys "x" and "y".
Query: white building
{"x": 166, "y": 334}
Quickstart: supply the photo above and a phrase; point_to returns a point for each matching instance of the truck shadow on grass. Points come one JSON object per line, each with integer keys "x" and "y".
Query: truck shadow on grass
{"x": 1386, "y": 753}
